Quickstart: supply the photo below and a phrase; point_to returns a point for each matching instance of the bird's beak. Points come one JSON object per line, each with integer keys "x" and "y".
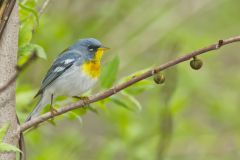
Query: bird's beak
{"x": 104, "y": 48}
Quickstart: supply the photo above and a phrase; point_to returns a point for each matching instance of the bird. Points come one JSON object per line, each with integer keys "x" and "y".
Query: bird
{"x": 73, "y": 72}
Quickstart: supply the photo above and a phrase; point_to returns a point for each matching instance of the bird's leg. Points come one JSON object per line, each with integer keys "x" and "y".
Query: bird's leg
{"x": 52, "y": 109}
{"x": 85, "y": 99}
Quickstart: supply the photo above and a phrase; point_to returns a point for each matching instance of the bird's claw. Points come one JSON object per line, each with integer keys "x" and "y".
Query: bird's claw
{"x": 85, "y": 99}
{"x": 53, "y": 111}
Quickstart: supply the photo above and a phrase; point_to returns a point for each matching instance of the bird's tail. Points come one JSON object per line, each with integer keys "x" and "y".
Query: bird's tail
{"x": 37, "y": 109}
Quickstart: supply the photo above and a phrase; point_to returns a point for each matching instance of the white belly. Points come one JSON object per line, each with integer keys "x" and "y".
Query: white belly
{"x": 73, "y": 82}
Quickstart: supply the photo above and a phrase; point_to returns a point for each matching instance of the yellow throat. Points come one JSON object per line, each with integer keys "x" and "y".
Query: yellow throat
{"x": 92, "y": 68}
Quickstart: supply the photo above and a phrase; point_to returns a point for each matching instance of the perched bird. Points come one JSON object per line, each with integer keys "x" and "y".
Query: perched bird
{"x": 72, "y": 73}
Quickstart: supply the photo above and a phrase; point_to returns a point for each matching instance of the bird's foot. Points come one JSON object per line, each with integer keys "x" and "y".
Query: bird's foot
{"x": 53, "y": 111}
{"x": 85, "y": 99}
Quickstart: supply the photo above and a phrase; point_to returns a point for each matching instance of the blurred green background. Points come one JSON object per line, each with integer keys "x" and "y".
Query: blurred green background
{"x": 194, "y": 115}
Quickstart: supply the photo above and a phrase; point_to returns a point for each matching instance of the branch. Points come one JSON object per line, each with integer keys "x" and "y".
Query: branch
{"x": 19, "y": 70}
{"x": 119, "y": 87}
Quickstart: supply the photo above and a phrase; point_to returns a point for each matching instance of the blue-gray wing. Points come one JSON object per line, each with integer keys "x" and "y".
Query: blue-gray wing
{"x": 59, "y": 66}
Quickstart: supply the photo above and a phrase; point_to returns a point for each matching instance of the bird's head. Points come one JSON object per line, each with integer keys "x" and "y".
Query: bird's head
{"x": 91, "y": 48}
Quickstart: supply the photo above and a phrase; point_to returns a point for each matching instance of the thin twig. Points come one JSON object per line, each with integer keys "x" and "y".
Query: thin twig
{"x": 43, "y": 7}
{"x": 5, "y": 14}
{"x": 3, "y": 5}
{"x": 40, "y": 12}
{"x": 19, "y": 70}
{"x": 117, "y": 88}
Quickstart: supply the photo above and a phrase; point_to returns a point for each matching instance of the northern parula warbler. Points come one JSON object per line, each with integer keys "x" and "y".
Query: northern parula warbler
{"x": 72, "y": 73}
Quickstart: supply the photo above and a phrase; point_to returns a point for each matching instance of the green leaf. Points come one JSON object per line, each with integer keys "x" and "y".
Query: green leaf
{"x": 40, "y": 51}
{"x": 52, "y": 122}
{"x": 92, "y": 109}
{"x": 25, "y": 32}
{"x": 30, "y": 3}
{"x": 3, "y": 131}
{"x": 127, "y": 78}
{"x": 72, "y": 116}
{"x": 121, "y": 103}
{"x": 102, "y": 104}
{"x": 132, "y": 99}
{"x": 4, "y": 147}
{"x": 80, "y": 111}
{"x": 60, "y": 98}
{"x": 109, "y": 73}
{"x": 140, "y": 87}
{"x": 22, "y": 60}
{"x": 31, "y": 10}
{"x": 27, "y": 49}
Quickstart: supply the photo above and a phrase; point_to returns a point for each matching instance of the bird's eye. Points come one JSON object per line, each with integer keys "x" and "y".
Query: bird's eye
{"x": 91, "y": 49}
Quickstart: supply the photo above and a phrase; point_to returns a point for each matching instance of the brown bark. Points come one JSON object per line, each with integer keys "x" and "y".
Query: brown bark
{"x": 8, "y": 59}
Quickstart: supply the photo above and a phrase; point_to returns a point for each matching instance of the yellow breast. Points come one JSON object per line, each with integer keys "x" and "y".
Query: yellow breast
{"x": 92, "y": 69}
